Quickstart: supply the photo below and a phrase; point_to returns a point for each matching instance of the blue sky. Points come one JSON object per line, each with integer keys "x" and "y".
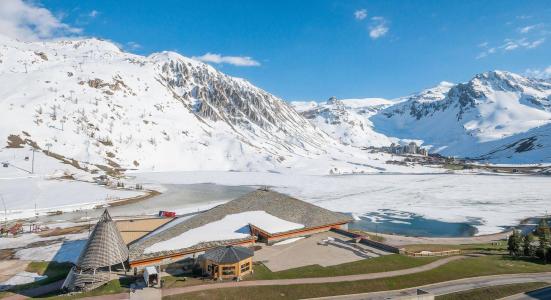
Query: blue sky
{"x": 311, "y": 50}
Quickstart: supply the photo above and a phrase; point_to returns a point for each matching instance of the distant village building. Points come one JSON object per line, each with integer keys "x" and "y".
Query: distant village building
{"x": 423, "y": 152}
{"x": 411, "y": 148}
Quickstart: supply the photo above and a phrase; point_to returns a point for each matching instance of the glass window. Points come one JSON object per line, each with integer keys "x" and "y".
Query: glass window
{"x": 228, "y": 270}
{"x": 245, "y": 267}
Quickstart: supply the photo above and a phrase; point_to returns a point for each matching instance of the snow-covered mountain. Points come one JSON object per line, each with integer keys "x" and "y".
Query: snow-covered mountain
{"x": 496, "y": 116}
{"x": 347, "y": 120}
{"x": 89, "y": 103}
{"x": 95, "y": 107}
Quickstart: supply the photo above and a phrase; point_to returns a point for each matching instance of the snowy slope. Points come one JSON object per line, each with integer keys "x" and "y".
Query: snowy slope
{"x": 89, "y": 101}
{"x": 482, "y": 118}
{"x": 98, "y": 109}
{"x": 347, "y": 120}
{"x": 497, "y": 116}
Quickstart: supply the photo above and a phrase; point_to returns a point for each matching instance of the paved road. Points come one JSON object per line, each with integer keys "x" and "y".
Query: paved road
{"x": 202, "y": 287}
{"x": 453, "y": 286}
{"x": 541, "y": 294}
{"x": 435, "y": 289}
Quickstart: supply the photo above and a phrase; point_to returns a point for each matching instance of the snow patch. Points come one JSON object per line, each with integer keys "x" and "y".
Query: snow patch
{"x": 21, "y": 278}
{"x": 234, "y": 226}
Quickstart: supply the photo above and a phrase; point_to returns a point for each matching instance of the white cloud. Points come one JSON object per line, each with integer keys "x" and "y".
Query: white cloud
{"x": 240, "y": 61}
{"x": 133, "y": 45}
{"x": 510, "y": 45}
{"x": 360, "y": 14}
{"x": 94, "y": 13}
{"x": 539, "y": 73}
{"x": 535, "y": 43}
{"x": 378, "y": 27}
{"x": 529, "y": 28}
{"x": 526, "y": 29}
{"x": 522, "y": 43}
{"x": 28, "y": 21}
{"x": 483, "y": 45}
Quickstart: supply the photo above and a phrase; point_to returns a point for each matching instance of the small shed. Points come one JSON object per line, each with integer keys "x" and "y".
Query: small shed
{"x": 151, "y": 276}
{"x": 227, "y": 262}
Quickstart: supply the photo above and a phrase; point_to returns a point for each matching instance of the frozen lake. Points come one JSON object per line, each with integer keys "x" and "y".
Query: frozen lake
{"x": 402, "y": 223}
{"x": 487, "y": 202}
{"x": 182, "y": 198}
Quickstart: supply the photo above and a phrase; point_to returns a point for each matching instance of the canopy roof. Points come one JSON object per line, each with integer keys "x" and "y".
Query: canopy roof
{"x": 105, "y": 246}
{"x": 228, "y": 254}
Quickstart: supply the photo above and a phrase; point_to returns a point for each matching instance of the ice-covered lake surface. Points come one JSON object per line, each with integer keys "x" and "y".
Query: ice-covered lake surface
{"x": 486, "y": 202}
{"x": 402, "y": 223}
{"x": 182, "y": 198}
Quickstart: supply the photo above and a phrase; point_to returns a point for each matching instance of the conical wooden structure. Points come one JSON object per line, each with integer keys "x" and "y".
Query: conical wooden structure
{"x": 104, "y": 248}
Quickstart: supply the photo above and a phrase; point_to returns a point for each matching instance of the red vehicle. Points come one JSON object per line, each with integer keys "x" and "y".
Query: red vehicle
{"x": 167, "y": 214}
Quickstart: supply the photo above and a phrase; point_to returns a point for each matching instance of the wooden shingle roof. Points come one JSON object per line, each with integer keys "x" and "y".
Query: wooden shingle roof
{"x": 105, "y": 246}
{"x": 228, "y": 254}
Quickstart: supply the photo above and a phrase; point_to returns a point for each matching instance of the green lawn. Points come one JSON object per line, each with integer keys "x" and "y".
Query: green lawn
{"x": 469, "y": 267}
{"x": 494, "y": 292}
{"x": 372, "y": 265}
{"x": 466, "y": 248}
{"x": 112, "y": 287}
{"x": 180, "y": 281}
{"x": 54, "y": 270}
{"x": 58, "y": 271}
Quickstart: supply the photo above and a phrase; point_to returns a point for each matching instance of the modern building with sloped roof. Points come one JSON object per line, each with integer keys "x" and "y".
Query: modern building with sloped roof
{"x": 261, "y": 215}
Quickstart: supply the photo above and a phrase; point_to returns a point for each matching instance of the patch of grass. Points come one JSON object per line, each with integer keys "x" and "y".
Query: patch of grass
{"x": 372, "y": 265}
{"x": 464, "y": 268}
{"x": 494, "y": 292}
{"x": 180, "y": 281}
{"x": 54, "y": 270}
{"x": 491, "y": 248}
{"x": 430, "y": 247}
{"x": 6, "y": 294}
{"x": 112, "y": 287}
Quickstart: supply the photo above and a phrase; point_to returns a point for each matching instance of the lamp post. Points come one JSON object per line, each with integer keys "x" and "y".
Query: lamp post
{"x": 5, "y": 212}
{"x": 32, "y": 167}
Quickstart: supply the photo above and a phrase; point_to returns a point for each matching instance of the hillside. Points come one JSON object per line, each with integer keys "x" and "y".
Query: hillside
{"x": 481, "y": 118}
{"x": 347, "y": 120}
{"x": 89, "y": 101}
{"x": 88, "y": 104}
{"x": 497, "y": 116}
